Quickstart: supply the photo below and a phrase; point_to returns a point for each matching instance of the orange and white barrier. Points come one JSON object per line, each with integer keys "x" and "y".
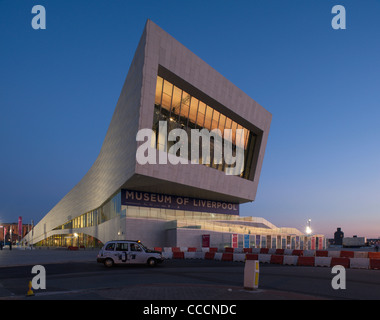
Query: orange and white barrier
{"x": 374, "y": 255}
{"x": 345, "y": 262}
{"x": 322, "y": 261}
{"x": 321, "y": 253}
{"x": 290, "y": 260}
{"x": 374, "y": 264}
{"x": 359, "y": 263}
{"x": 264, "y": 258}
{"x": 276, "y": 259}
{"x": 309, "y": 253}
{"x": 317, "y": 258}
{"x": 334, "y": 254}
{"x": 360, "y": 254}
{"x": 239, "y": 257}
{"x": 306, "y": 261}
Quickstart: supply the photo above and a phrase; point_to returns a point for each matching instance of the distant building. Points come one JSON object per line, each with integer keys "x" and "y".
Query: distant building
{"x": 10, "y": 231}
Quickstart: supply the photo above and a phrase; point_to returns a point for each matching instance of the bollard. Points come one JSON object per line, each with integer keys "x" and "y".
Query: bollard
{"x": 30, "y": 291}
{"x": 251, "y": 275}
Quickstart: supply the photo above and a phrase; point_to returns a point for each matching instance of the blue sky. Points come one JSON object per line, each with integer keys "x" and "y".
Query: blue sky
{"x": 59, "y": 88}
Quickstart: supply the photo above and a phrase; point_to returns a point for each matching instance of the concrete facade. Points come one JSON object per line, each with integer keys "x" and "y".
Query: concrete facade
{"x": 116, "y": 167}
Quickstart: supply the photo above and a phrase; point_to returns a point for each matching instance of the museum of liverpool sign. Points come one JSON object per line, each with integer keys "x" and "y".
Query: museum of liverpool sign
{"x": 164, "y": 201}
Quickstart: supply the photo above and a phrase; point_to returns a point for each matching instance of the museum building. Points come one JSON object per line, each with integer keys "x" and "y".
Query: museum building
{"x": 168, "y": 89}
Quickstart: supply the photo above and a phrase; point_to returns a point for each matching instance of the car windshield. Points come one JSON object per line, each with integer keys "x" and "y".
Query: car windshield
{"x": 144, "y": 247}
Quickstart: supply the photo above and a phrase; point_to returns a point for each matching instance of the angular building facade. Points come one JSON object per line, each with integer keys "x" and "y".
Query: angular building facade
{"x": 171, "y": 200}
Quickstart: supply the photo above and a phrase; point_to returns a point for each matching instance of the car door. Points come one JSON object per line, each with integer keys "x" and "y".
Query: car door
{"x": 109, "y": 251}
{"x": 121, "y": 251}
{"x": 137, "y": 253}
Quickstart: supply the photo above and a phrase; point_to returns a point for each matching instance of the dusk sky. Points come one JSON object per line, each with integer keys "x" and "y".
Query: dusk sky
{"x": 59, "y": 88}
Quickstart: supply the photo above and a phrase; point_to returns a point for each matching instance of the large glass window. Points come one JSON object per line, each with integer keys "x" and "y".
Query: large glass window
{"x": 182, "y": 110}
{"x": 108, "y": 211}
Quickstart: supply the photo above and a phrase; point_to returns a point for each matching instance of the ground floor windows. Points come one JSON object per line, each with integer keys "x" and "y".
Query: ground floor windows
{"x": 79, "y": 240}
{"x": 108, "y": 211}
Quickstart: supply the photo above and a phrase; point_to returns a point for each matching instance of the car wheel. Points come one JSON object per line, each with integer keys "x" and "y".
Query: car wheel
{"x": 152, "y": 262}
{"x": 108, "y": 263}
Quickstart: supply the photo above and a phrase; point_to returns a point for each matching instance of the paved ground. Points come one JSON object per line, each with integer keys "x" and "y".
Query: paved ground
{"x": 19, "y": 257}
{"x": 76, "y": 275}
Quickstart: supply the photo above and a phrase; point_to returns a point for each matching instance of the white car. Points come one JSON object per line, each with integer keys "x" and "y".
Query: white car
{"x": 128, "y": 252}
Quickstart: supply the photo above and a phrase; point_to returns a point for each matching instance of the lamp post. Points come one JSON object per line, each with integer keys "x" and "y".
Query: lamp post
{"x": 308, "y": 227}
{"x": 3, "y": 243}
{"x": 308, "y": 232}
{"x": 76, "y": 236}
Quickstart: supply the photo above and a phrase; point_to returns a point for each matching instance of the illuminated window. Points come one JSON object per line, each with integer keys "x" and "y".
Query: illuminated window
{"x": 182, "y": 110}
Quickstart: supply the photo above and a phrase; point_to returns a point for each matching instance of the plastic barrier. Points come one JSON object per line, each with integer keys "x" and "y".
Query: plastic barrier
{"x": 306, "y": 261}
{"x": 256, "y": 250}
{"x": 229, "y": 250}
{"x": 322, "y": 261}
{"x": 167, "y": 255}
{"x": 252, "y": 256}
{"x": 178, "y": 255}
{"x": 238, "y": 250}
{"x": 297, "y": 253}
{"x": 334, "y": 254}
{"x": 272, "y": 251}
{"x": 276, "y": 259}
{"x": 264, "y": 258}
{"x": 345, "y": 262}
{"x": 183, "y": 249}
{"x": 374, "y": 255}
{"x": 359, "y": 263}
{"x": 290, "y": 260}
{"x": 209, "y": 255}
{"x": 374, "y": 263}
{"x": 280, "y": 251}
{"x": 189, "y": 255}
{"x": 264, "y": 250}
{"x": 199, "y": 255}
{"x": 360, "y": 254}
{"x": 288, "y": 252}
{"x": 247, "y": 250}
{"x": 227, "y": 257}
{"x": 218, "y": 256}
{"x": 212, "y": 249}
{"x": 239, "y": 257}
{"x": 194, "y": 255}
{"x": 309, "y": 253}
{"x": 321, "y": 253}
{"x": 346, "y": 254}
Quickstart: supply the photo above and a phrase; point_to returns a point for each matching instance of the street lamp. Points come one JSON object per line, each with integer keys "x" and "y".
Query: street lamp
{"x": 308, "y": 227}
{"x": 308, "y": 234}
{"x": 76, "y": 237}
